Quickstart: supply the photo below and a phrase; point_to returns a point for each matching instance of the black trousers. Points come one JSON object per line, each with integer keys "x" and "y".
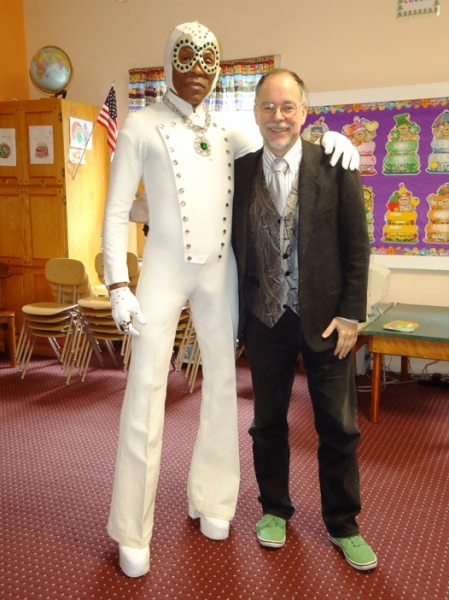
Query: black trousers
{"x": 272, "y": 354}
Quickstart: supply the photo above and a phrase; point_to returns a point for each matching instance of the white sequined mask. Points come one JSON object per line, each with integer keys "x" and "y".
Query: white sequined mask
{"x": 199, "y": 38}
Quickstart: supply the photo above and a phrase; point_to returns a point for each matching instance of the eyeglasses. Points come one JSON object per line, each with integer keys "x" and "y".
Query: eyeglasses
{"x": 268, "y": 108}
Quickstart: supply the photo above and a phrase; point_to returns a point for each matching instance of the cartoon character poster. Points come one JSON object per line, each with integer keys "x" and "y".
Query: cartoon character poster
{"x": 404, "y": 166}
{"x": 81, "y": 134}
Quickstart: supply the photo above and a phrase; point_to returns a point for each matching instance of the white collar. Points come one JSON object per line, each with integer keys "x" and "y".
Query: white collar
{"x": 197, "y": 114}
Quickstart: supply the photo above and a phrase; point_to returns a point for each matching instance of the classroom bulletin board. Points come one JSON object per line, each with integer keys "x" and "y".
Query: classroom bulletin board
{"x": 404, "y": 166}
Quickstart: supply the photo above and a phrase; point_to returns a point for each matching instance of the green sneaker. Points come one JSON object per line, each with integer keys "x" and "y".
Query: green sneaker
{"x": 270, "y": 531}
{"x": 357, "y": 552}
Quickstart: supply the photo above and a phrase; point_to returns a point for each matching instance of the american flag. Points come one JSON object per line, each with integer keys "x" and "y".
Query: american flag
{"x": 108, "y": 118}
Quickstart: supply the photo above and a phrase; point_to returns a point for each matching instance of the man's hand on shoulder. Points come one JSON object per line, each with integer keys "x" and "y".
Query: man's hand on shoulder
{"x": 337, "y": 144}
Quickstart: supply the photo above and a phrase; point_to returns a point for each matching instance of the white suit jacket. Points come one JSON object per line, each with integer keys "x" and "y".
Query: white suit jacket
{"x": 189, "y": 195}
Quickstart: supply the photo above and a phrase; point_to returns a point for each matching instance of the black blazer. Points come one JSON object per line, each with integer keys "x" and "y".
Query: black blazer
{"x": 333, "y": 244}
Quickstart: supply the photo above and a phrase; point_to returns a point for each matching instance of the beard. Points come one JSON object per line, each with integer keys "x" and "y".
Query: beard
{"x": 277, "y": 145}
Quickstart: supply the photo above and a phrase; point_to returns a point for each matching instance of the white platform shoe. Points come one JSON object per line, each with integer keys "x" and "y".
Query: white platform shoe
{"x": 134, "y": 562}
{"x": 215, "y": 529}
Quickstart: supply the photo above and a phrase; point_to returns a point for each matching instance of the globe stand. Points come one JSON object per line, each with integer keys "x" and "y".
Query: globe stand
{"x": 61, "y": 94}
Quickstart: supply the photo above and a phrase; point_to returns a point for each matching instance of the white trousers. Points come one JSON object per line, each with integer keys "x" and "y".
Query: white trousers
{"x": 214, "y": 475}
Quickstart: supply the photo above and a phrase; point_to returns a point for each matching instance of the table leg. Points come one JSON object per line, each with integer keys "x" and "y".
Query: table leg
{"x": 375, "y": 386}
{"x": 404, "y": 368}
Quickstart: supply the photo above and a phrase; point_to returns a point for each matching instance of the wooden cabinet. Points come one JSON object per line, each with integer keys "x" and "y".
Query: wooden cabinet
{"x": 49, "y": 206}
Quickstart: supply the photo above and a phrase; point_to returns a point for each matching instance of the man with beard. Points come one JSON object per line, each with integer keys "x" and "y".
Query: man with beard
{"x": 302, "y": 249}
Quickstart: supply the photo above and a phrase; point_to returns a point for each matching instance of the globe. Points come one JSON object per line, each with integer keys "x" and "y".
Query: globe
{"x": 51, "y": 70}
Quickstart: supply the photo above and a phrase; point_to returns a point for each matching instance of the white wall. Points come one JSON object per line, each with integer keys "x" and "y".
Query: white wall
{"x": 344, "y": 45}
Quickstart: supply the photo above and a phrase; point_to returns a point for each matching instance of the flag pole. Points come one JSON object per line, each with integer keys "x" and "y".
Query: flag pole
{"x": 88, "y": 139}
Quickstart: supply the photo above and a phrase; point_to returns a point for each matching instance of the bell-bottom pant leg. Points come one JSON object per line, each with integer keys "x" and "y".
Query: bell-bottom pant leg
{"x": 214, "y": 475}
{"x": 272, "y": 354}
{"x": 334, "y": 399}
{"x": 162, "y": 294}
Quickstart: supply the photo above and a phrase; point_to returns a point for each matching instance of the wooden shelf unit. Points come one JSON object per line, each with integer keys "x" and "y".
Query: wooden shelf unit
{"x": 46, "y": 210}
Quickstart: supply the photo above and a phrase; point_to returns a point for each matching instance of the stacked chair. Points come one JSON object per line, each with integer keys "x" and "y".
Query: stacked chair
{"x": 188, "y": 350}
{"x": 7, "y": 317}
{"x": 95, "y": 328}
{"x": 180, "y": 354}
{"x": 55, "y": 321}
{"x": 133, "y": 264}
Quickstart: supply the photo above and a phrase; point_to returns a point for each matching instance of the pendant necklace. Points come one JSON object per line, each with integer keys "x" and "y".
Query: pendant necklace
{"x": 201, "y": 144}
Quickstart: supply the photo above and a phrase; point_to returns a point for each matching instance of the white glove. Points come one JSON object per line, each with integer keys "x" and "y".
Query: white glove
{"x": 337, "y": 144}
{"x": 125, "y": 306}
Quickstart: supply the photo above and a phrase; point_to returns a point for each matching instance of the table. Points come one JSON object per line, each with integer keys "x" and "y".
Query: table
{"x": 429, "y": 340}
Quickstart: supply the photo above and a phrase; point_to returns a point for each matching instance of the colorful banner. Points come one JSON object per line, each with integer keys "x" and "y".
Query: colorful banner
{"x": 417, "y": 8}
{"x": 404, "y": 164}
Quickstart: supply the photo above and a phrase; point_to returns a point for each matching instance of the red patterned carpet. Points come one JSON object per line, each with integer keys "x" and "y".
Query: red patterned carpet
{"x": 57, "y": 458}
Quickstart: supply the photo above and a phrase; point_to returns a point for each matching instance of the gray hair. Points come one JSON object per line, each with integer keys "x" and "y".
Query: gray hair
{"x": 292, "y": 74}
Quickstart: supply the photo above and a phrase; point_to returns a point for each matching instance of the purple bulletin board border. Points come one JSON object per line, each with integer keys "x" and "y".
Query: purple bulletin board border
{"x": 404, "y": 149}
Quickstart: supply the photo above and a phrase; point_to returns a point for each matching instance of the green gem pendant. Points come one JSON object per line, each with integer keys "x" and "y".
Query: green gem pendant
{"x": 202, "y": 147}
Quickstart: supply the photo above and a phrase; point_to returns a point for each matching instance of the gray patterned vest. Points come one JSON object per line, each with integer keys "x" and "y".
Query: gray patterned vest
{"x": 271, "y": 283}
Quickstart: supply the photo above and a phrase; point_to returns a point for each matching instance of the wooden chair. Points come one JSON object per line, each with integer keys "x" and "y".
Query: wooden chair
{"x": 51, "y": 320}
{"x": 54, "y": 321}
{"x": 7, "y": 317}
{"x": 133, "y": 263}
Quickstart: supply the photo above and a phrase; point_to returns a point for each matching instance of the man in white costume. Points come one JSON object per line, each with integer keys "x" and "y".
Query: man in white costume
{"x": 186, "y": 161}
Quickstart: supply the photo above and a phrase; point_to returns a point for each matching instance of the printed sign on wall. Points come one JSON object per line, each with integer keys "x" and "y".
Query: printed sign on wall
{"x": 404, "y": 166}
